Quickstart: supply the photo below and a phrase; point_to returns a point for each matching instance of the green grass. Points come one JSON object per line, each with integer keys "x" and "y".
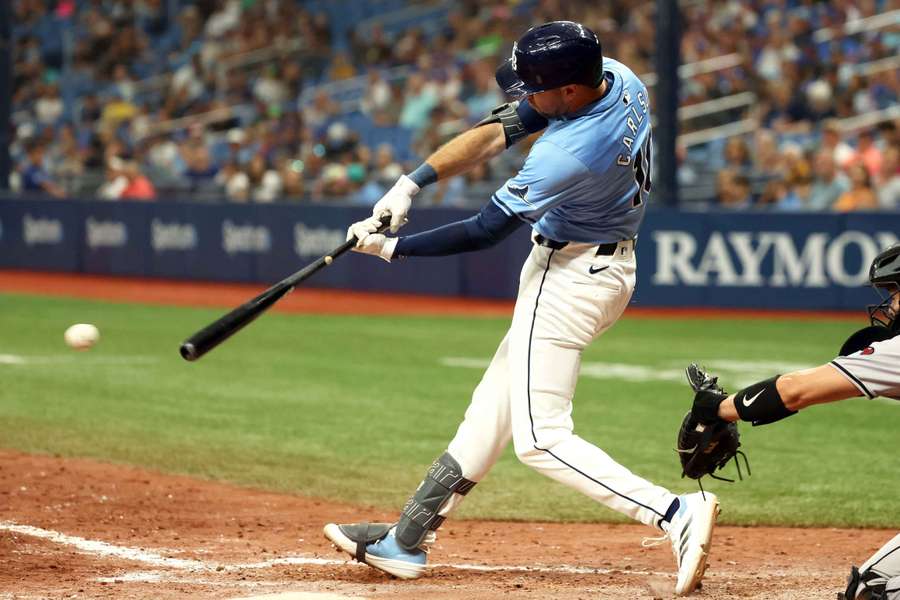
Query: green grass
{"x": 356, "y": 408}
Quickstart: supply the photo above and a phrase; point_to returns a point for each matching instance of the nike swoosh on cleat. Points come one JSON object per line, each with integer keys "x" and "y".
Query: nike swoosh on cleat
{"x": 594, "y": 270}
{"x": 748, "y": 401}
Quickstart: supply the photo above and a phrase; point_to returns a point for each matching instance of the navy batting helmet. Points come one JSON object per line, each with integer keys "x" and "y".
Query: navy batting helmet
{"x": 550, "y": 56}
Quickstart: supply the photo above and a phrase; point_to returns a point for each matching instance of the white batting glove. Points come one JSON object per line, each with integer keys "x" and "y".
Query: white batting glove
{"x": 396, "y": 202}
{"x": 363, "y": 228}
{"x": 379, "y": 245}
{"x": 369, "y": 242}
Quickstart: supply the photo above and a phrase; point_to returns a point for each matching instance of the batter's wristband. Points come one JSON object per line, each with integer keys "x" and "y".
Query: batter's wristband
{"x": 424, "y": 175}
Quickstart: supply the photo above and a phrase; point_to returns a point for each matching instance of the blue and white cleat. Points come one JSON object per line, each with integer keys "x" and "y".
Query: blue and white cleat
{"x": 691, "y": 535}
{"x": 375, "y": 545}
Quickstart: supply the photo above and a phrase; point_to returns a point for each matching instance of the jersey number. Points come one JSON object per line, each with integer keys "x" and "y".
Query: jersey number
{"x": 642, "y": 163}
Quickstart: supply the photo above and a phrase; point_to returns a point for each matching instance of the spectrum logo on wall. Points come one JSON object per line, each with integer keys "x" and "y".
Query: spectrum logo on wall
{"x": 39, "y": 230}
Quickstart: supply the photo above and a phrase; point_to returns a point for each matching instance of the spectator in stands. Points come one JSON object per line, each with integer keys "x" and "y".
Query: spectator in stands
{"x": 224, "y": 20}
{"x": 798, "y": 82}
{"x": 373, "y": 49}
{"x": 334, "y": 182}
{"x": 485, "y": 94}
{"x": 291, "y": 173}
{"x": 832, "y": 142}
{"x": 768, "y": 164}
{"x": 819, "y": 101}
{"x": 867, "y": 153}
{"x": 235, "y": 182}
{"x": 421, "y": 96}
{"x": 320, "y": 112}
{"x": 123, "y": 84}
{"x": 860, "y": 196}
{"x": 265, "y": 182}
{"x": 889, "y": 179}
{"x": 341, "y": 67}
{"x": 269, "y": 89}
{"x": 378, "y": 102}
{"x": 783, "y": 112}
{"x": 117, "y": 110}
{"x": 187, "y": 86}
{"x": 33, "y": 174}
{"x": 49, "y": 106}
{"x": 91, "y": 110}
{"x": 737, "y": 155}
{"x": 734, "y": 190}
{"x": 828, "y": 184}
{"x": 67, "y": 161}
{"x": 798, "y": 186}
{"x": 125, "y": 181}
{"x": 199, "y": 168}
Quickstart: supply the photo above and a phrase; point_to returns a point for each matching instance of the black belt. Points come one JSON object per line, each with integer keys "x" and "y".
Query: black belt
{"x": 602, "y": 250}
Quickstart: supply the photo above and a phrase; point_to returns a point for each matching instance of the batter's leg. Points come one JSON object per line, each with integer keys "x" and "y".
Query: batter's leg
{"x": 482, "y": 436}
{"x": 485, "y": 430}
{"x": 479, "y": 441}
{"x": 552, "y": 323}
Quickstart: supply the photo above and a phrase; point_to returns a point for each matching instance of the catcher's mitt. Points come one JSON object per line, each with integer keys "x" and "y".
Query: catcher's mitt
{"x": 705, "y": 448}
{"x": 706, "y": 442}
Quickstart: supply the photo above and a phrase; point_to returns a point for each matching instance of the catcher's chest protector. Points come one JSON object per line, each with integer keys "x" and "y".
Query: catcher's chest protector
{"x": 893, "y": 589}
{"x": 880, "y": 575}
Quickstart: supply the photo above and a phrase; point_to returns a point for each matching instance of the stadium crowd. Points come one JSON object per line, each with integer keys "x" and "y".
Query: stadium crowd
{"x": 247, "y": 99}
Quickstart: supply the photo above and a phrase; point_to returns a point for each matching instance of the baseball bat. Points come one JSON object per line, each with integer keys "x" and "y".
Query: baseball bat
{"x": 223, "y": 328}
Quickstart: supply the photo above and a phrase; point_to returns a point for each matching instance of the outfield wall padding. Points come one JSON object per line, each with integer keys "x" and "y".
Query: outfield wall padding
{"x": 717, "y": 259}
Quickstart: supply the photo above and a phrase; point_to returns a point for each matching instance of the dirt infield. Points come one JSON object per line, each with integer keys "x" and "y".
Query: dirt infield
{"x": 80, "y": 528}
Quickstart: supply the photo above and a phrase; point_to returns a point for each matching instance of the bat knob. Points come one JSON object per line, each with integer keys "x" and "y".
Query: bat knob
{"x": 188, "y": 351}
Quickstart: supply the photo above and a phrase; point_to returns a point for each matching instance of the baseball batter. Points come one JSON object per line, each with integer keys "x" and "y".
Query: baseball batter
{"x": 869, "y": 365}
{"x": 582, "y": 190}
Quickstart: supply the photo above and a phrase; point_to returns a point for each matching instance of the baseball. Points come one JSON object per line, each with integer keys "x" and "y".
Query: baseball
{"x": 328, "y": 260}
{"x": 81, "y": 336}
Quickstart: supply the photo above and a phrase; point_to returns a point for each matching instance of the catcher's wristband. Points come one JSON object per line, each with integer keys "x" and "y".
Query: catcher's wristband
{"x": 761, "y": 403}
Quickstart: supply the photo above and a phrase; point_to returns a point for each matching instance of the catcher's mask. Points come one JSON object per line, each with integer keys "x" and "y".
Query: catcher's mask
{"x": 884, "y": 277}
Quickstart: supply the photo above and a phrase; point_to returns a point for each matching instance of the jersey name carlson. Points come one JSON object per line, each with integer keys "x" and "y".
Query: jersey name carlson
{"x": 632, "y": 121}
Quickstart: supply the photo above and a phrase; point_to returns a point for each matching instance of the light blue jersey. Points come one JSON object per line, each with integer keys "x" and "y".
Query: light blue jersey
{"x": 587, "y": 177}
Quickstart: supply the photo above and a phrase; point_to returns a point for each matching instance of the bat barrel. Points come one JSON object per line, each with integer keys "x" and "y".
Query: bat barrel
{"x": 223, "y": 328}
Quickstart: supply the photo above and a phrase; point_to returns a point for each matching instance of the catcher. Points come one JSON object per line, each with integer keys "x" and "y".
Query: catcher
{"x": 868, "y": 365}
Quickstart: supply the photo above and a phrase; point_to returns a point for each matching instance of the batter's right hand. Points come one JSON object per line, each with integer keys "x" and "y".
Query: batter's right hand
{"x": 396, "y": 202}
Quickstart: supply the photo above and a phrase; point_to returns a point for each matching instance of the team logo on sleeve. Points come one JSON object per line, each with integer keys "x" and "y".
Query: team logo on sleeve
{"x": 518, "y": 192}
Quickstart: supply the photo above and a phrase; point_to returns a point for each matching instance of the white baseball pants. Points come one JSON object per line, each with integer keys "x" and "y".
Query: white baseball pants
{"x": 566, "y": 298}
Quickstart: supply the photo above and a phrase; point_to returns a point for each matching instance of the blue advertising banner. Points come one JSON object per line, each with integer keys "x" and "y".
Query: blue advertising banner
{"x": 759, "y": 260}
{"x": 751, "y": 260}
{"x": 40, "y": 235}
